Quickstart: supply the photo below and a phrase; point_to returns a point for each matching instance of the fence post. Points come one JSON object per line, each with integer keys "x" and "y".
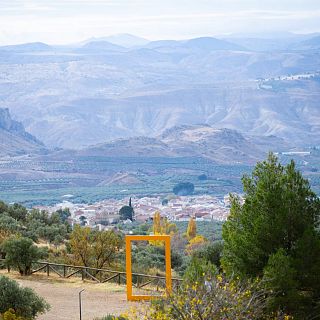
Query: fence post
{"x": 48, "y": 270}
{"x": 64, "y": 271}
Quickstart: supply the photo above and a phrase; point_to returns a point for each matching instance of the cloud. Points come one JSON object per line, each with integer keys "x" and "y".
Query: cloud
{"x": 64, "y": 21}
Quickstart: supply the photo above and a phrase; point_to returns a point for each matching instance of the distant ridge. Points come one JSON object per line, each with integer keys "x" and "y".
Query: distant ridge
{"x": 202, "y": 43}
{"x": 210, "y": 44}
{"x": 27, "y": 47}
{"x": 309, "y": 44}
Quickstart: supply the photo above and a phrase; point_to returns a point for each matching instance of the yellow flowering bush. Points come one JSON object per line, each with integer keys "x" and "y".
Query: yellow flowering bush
{"x": 10, "y": 315}
{"x": 213, "y": 298}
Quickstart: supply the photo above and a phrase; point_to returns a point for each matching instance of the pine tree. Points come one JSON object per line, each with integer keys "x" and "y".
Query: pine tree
{"x": 274, "y": 232}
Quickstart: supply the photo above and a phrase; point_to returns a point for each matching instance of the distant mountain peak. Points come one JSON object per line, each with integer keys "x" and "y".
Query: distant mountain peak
{"x": 124, "y": 40}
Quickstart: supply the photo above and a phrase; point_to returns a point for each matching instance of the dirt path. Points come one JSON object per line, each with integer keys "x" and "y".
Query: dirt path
{"x": 97, "y": 300}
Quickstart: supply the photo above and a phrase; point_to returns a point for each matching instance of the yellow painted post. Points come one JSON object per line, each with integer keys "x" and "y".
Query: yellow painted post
{"x": 166, "y": 239}
{"x": 128, "y": 268}
{"x": 168, "y": 264}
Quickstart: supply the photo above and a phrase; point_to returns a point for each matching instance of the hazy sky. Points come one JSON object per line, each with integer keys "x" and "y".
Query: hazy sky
{"x": 66, "y": 21}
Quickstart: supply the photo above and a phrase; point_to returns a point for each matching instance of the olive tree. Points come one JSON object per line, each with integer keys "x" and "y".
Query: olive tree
{"x": 20, "y": 253}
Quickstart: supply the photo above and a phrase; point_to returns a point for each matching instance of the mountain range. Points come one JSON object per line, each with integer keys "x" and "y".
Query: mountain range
{"x": 128, "y": 87}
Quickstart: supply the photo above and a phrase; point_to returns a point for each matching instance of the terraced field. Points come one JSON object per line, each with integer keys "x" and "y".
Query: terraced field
{"x": 91, "y": 179}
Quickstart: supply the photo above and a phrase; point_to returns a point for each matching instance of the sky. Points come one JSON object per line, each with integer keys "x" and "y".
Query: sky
{"x": 71, "y": 21}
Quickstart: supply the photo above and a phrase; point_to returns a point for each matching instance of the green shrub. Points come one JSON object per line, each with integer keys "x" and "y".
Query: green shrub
{"x": 211, "y": 252}
{"x": 183, "y": 188}
{"x": 24, "y": 301}
{"x": 198, "y": 268}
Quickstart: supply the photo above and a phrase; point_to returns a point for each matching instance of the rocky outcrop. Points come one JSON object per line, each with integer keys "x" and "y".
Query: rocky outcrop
{"x": 14, "y": 140}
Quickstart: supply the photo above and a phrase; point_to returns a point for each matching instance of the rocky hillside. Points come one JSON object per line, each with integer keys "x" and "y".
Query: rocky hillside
{"x": 14, "y": 140}
{"x": 218, "y": 145}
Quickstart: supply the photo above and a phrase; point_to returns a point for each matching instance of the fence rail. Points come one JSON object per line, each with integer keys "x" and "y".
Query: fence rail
{"x": 139, "y": 280}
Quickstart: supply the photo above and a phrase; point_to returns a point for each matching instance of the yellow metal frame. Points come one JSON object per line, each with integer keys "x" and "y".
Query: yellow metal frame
{"x": 166, "y": 240}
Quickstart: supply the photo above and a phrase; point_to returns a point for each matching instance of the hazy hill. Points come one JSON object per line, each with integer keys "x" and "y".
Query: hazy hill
{"x": 99, "y": 47}
{"x": 211, "y": 44}
{"x": 125, "y": 40}
{"x": 14, "y": 140}
{"x": 309, "y": 44}
{"x": 163, "y": 43}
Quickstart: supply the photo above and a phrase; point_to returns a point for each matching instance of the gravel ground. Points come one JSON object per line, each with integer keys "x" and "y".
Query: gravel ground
{"x": 97, "y": 300}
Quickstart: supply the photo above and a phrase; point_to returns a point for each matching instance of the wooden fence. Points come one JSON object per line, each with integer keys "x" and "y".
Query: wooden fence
{"x": 139, "y": 280}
